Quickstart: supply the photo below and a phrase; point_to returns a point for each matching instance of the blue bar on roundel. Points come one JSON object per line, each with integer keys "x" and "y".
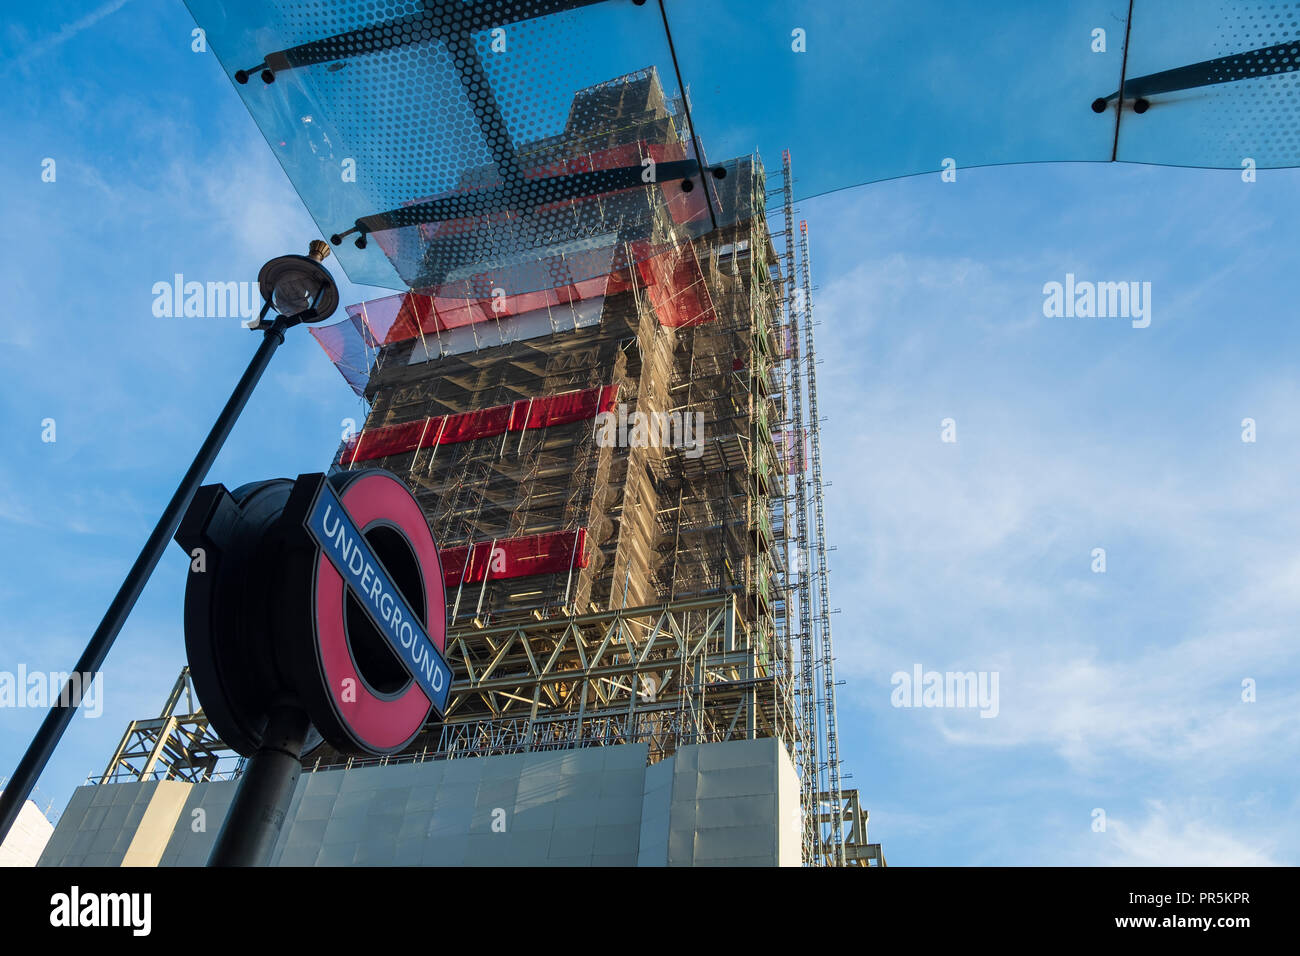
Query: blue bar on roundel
{"x": 337, "y": 535}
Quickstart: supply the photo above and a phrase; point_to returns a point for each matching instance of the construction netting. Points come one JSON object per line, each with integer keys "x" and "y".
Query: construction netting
{"x": 543, "y": 412}
{"x": 793, "y": 458}
{"x": 672, "y": 279}
{"x": 675, "y": 286}
{"x": 549, "y": 553}
{"x": 395, "y": 318}
{"x": 787, "y": 341}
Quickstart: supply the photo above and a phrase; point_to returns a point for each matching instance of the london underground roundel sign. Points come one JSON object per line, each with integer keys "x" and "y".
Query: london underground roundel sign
{"x": 379, "y": 707}
{"x": 323, "y": 592}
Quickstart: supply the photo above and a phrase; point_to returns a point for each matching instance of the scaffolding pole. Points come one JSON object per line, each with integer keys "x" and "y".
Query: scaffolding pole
{"x": 809, "y": 786}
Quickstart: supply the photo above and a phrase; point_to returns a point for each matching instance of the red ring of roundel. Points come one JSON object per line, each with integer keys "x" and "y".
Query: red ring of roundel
{"x": 379, "y": 723}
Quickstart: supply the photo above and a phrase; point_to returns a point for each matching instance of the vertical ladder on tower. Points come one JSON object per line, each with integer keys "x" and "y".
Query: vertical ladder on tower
{"x": 822, "y": 617}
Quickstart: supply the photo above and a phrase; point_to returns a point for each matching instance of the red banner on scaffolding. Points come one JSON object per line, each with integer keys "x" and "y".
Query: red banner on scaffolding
{"x": 467, "y": 426}
{"x": 407, "y": 315}
{"x": 527, "y": 413}
{"x": 555, "y": 552}
{"x": 673, "y": 280}
{"x": 390, "y": 440}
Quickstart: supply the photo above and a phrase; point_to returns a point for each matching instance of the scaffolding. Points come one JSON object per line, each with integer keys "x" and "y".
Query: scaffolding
{"x": 667, "y": 675}
{"x": 845, "y": 814}
{"x": 828, "y": 740}
{"x": 172, "y": 746}
{"x": 807, "y": 738}
{"x": 671, "y": 622}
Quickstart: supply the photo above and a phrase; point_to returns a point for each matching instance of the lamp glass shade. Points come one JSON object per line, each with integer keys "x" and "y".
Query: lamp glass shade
{"x": 293, "y": 283}
{"x": 294, "y": 293}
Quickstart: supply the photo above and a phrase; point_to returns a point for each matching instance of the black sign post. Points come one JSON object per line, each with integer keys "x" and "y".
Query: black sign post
{"x": 257, "y": 813}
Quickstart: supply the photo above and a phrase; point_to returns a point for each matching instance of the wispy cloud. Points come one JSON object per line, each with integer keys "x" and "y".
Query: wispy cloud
{"x": 42, "y": 46}
{"x": 1175, "y": 836}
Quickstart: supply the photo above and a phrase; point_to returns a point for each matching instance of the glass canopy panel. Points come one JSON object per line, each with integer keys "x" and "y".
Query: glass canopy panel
{"x": 1220, "y": 82}
{"x": 894, "y": 87}
{"x": 506, "y": 144}
{"x": 456, "y": 137}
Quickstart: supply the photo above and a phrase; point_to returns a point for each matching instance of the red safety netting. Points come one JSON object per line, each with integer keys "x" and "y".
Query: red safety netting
{"x": 563, "y": 408}
{"x": 392, "y": 440}
{"x": 675, "y": 284}
{"x": 407, "y": 315}
{"x": 682, "y": 206}
{"x": 549, "y": 553}
{"x": 436, "y": 430}
{"x": 467, "y": 426}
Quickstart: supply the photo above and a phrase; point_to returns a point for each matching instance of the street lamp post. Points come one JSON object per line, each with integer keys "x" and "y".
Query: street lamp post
{"x": 298, "y": 289}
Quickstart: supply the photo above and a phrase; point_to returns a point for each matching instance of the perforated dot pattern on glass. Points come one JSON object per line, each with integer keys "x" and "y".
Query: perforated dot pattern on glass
{"x": 507, "y": 143}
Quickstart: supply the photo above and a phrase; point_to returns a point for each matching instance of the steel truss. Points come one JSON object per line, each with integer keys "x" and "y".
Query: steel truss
{"x": 851, "y": 821}
{"x": 667, "y": 675}
{"x": 170, "y": 746}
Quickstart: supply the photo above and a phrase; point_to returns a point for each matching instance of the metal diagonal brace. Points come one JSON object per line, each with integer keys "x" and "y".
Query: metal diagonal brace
{"x": 534, "y": 192}
{"x": 1266, "y": 61}
{"x": 452, "y": 23}
{"x": 439, "y": 20}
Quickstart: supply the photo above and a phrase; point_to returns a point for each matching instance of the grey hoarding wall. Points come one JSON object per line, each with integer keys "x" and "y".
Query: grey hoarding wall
{"x": 733, "y": 803}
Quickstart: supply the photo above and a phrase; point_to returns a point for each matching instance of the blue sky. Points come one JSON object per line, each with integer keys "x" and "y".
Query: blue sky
{"x": 1119, "y": 691}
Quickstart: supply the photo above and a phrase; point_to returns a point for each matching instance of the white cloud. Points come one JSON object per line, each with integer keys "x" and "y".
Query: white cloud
{"x": 67, "y": 32}
{"x": 1177, "y": 837}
